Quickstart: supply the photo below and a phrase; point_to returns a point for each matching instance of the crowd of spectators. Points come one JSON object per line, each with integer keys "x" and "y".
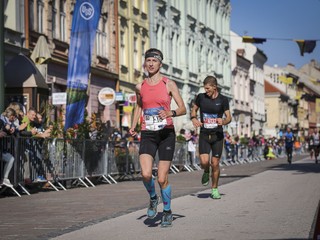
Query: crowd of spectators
{"x": 13, "y": 122}
{"x": 271, "y": 147}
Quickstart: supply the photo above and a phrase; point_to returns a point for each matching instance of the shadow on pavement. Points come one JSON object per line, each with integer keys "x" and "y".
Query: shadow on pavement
{"x": 300, "y": 168}
{"x": 155, "y": 222}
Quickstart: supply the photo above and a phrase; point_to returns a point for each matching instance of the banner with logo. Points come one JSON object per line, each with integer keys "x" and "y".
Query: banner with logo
{"x": 85, "y": 20}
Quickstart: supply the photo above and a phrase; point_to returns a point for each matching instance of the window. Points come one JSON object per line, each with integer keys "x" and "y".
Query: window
{"x": 40, "y": 16}
{"x": 54, "y": 20}
{"x": 31, "y": 15}
{"x": 122, "y": 48}
{"x": 62, "y": 21}
{"x": 136, "y": 59}
{"x": 101, "y": 40}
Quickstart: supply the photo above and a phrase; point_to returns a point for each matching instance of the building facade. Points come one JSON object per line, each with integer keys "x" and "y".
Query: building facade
{"x": 28, "y": 20}
{"x": 248, "y": 87}
{"x": 194, "y": 38}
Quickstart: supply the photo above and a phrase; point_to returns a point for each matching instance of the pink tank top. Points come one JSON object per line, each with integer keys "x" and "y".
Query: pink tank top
{"x": 155, "y": 98}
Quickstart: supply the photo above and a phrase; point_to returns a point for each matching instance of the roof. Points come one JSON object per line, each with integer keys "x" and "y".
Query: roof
{"x": 269, "y": 88}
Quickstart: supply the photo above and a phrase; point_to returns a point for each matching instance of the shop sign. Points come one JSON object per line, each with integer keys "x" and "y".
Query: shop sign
{"x": 107, "y": 96}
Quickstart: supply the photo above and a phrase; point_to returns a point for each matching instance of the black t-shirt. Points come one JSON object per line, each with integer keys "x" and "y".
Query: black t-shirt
{"x": 210, "y": 110}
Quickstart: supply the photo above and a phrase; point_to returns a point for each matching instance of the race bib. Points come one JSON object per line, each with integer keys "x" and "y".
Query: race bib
{"x": 152, "y": 119}
{"x": 210, "y": 120}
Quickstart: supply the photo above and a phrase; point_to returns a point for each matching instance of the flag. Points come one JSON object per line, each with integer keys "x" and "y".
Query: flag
{"x": 306, "y": 46}
{"x": 317, "y": 105}
{"x": 85, "y": 20}
{"x": 286, "y": 80}
{"x": 248, "y": 39}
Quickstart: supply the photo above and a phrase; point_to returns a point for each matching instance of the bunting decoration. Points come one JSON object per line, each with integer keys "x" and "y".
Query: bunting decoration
{"x": 286, "y": 80}
{"x": 248, "y": 39}
{"x": 317, "y": 105}
{"x": 306, "y": 46}
{"x": 85, "y": 20}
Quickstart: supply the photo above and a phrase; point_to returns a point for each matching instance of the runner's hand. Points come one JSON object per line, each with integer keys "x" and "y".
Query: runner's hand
{"x": 196, "y": 123}
{"x": 132, "y": 132}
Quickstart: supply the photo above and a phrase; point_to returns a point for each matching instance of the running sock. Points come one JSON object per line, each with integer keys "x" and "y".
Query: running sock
{"x": 150, "y": 188}
{"x": 166, "y": 198}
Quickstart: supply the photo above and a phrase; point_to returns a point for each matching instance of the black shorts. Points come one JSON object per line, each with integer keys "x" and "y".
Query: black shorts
{"x": 211, "y": 142}
{"x": 162, "y": 141}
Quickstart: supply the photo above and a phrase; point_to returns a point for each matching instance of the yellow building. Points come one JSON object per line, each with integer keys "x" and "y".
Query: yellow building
{"x": 133, "y": 42}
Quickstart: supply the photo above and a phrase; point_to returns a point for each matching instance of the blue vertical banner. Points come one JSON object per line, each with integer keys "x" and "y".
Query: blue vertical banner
{"x": 85, "y": 21}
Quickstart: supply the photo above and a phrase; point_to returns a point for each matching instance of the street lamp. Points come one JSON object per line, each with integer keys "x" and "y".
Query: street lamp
{"x": 261, "y": 125}
{"x": 236, "y": 118}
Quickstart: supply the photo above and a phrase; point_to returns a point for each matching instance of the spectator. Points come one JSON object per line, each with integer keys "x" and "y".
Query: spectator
{"x": 8, "y": 120}
{"x": 19, "y": 115}
{"x": 314, "y": 144}
{"x": 191, "y": 139}
{"x": 270, "y": 155}
{"x": 266, "y": 151}
{"x": 181, "y": 137}
{"x": 235, "y": 147}
{"x": 29, "y": 120}
{"x": 32, "y": 123}
{"x": 227, "y": 144}
{"x": 7, "y": 128}
{"x": 33, "y": 164}
{"x": 40, "y": 127}
{"x": 297, "y": 146}
{"x": 251, "y": 145}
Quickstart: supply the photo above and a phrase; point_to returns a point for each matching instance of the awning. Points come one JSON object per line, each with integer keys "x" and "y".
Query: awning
{"x": 22, "y": 72}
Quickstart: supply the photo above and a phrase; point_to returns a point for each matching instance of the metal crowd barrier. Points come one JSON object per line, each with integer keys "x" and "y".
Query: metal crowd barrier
{"x": 56, "y": 161}
{"x": 241, "y": 154}
{"x": 181, "y": 159}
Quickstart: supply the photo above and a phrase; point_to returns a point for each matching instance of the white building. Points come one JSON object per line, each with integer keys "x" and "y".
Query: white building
{"x": 194, "y": 39}
{"x": 248, "y": 87}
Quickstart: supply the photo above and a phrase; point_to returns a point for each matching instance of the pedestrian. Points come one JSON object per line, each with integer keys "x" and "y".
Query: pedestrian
{"x": 214, "y": 114}
{"x": 289, "y": 140}
{"x": 314, "y": 144}
{"x": 154, "y": 96}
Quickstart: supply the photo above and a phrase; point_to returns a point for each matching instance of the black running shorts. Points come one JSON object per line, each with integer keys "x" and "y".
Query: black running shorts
{"x": 163, "y": 140}
{"x": 211, "y": 142}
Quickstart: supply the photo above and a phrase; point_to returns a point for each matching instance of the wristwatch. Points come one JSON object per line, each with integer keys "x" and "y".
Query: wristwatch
{"x": 174, "y": 113}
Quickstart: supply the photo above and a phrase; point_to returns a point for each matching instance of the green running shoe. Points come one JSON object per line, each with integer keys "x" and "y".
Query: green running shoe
{"x": 215, "y": 193}
{"x": 205, "y": 178}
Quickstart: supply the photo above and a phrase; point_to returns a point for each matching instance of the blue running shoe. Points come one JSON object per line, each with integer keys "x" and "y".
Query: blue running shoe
{"x": 152, "y": 210}
{"x": 167, "y": 219}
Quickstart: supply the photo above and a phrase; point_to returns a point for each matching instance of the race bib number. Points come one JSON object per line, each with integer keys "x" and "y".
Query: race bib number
{"x": 210, "y": 120}
{"x": 152, "y": 119}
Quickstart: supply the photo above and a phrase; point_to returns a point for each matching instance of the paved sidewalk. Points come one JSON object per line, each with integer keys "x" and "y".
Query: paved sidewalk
{"x": 263, "y": 200}
{"x": 275, "y": 204}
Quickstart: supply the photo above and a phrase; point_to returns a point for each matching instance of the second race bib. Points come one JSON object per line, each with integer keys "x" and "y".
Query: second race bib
{"x": 210, "y": 120}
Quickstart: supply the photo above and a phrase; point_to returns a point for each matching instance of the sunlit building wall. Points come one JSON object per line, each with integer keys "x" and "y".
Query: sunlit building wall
{"x": 195, "y": 40}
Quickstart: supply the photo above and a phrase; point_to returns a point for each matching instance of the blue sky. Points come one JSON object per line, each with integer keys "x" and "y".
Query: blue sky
{"x": 279, "y": 19}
